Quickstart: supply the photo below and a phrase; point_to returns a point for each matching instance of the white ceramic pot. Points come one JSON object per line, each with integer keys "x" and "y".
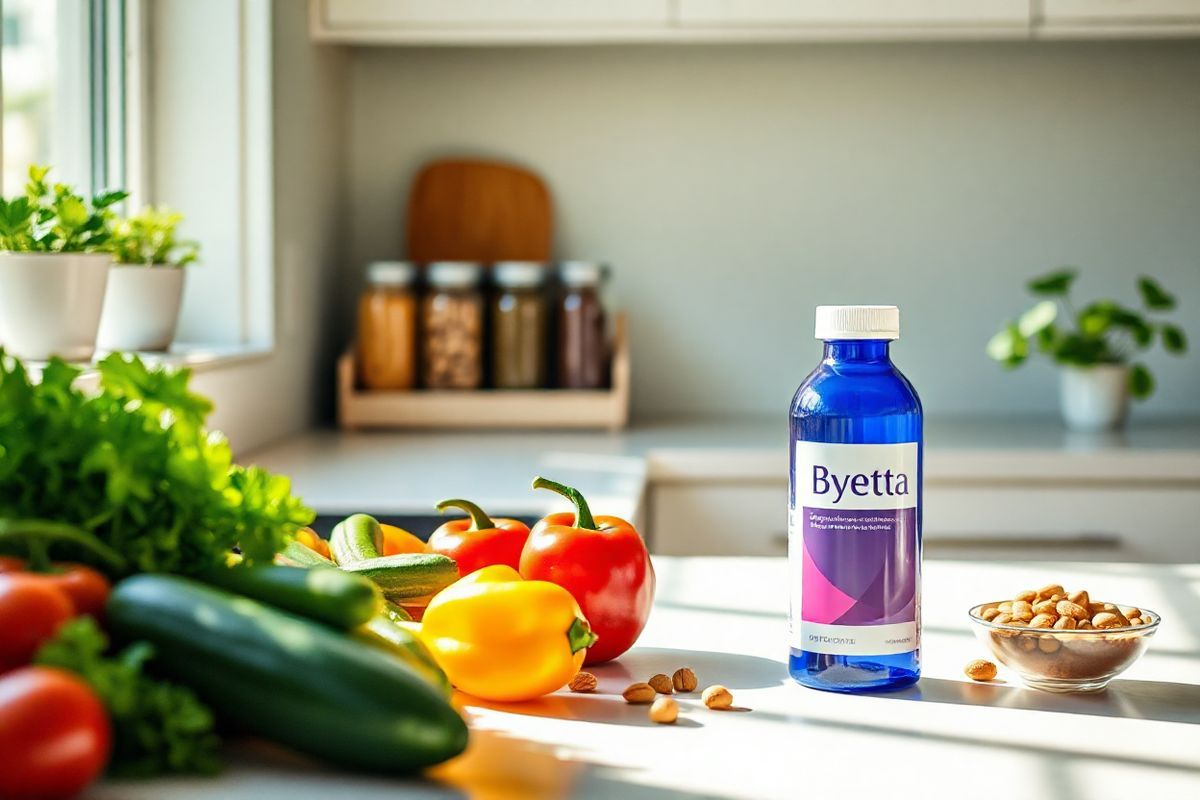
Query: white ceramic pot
{"x": 1094, "y": 398}
{"x": 141, "y": 308}
{"x": 50, "y": 303}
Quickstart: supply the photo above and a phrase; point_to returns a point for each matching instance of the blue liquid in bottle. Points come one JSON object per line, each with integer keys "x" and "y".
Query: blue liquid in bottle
{"x": 855, "y": 511}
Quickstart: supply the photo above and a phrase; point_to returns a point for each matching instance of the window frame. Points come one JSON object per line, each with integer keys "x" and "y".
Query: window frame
{"x": 109, "y": 67}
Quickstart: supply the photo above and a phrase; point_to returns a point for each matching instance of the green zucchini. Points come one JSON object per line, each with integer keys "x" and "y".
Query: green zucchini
{"x": 407, "y": 575}
{"x": 289, "y": 679}
{"x": 299, "y": 555}
{"x": 384, "y": 633}
{"x": 356, "y": 538}
{"x": 395, "y": 612}
{"x": 325, "y": 594}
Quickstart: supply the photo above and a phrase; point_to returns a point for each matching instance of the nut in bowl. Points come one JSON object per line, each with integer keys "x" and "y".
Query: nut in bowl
{"x": 1061, "y": 659}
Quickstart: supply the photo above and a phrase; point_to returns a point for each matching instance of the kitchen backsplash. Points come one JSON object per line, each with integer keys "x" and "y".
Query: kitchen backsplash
{"x": 737, "y": 187}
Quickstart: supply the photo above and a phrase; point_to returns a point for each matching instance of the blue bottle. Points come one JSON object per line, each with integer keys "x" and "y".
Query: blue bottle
{"x": 854, "y": 525}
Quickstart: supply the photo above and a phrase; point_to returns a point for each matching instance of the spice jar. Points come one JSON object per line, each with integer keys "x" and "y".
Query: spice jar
{"x": 387, "y": 327}
{"x": 582, "y": 331}
{"x": 519, "y": 325}
{"x": 452, "y": 319}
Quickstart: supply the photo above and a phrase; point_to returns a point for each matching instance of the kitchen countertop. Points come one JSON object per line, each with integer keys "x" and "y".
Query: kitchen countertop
{"x": 725, "y": 618}
{"x": 408, "y": 472}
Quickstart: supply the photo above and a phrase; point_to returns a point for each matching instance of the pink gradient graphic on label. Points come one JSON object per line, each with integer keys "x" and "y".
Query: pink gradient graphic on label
{"x": 860, "y": 566}
{"x": 822, "y": 601}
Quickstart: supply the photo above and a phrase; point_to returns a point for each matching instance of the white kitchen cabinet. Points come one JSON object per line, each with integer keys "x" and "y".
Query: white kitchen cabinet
{"x": 483, "y": 21}
{"x": 517, "y": 22}
{"x": 1132, "y": 521}
{"x": 714, "y": 519}
{"x": 860, "y": 14}
{"x": 1114, "y": 18}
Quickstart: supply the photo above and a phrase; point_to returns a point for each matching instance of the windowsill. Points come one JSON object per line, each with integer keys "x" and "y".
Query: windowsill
{"x": 206, "y": 357}
{"x": 197, "y": 357}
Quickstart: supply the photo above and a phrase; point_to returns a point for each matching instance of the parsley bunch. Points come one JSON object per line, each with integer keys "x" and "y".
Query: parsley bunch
{"x": 157, "y": 726}
{"x": 132, "y": 466}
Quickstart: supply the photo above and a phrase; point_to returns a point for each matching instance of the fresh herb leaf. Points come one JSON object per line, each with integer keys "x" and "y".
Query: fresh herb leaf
{"x": 133, "y": 465}
{"x": 149, "y": 238}
{"x": 1008, "y": 346}
{"x": 1154, "y": 296}
{"x": 1038, "y": 318}
{"x": 1055, "y": 284}
{"x": 55, "y": 219}
{"x": 1173, "y": 338}
{"x": 158, "y": 727}
{"x": 1141, "y": 382}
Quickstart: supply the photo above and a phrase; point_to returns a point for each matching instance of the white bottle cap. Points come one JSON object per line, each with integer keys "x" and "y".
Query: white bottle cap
{"x": 858, "y": 322}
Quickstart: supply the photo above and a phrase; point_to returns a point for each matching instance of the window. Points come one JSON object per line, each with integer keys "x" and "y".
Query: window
{"x": 63, "y": 87}
{"x": 196, "y": 138}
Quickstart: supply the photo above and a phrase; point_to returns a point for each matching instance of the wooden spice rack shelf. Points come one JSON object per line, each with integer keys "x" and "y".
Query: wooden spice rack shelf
{"x": 495, "y": 409}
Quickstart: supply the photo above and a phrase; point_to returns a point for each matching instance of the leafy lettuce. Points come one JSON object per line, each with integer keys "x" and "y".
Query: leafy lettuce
{"x": 132, "y": 464}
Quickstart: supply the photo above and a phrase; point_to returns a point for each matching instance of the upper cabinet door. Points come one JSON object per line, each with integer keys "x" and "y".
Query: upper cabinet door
{"x": 867, "y": 14}
{"x": 433, "y": 21}
{"x": 1119, "y": 12}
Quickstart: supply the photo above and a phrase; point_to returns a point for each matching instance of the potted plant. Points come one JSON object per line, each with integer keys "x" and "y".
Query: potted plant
{"x": 1093, "y": 346}
{"x": 54, "y": 263}
{"x": 145, "y": 286}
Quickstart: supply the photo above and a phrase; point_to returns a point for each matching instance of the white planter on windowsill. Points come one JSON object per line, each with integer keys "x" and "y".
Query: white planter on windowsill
{"x": 1094, "y": 398}
{"x": 141, "y": 307}
{"x": 50, "y": 303}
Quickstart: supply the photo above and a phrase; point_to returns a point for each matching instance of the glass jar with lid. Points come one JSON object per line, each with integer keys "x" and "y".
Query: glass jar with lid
{"x": 582, "y": 327}
{"x": 387, "y": 327}
{"x": 452, "y": 326}
{"x": 519, "y": 325}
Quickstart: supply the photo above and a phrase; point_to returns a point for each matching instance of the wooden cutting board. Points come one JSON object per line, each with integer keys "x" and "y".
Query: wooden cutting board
{"x": 465, "y": 210}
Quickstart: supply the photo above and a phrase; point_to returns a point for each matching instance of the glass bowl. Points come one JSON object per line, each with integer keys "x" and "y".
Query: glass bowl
{"x": 1064, "y": 660}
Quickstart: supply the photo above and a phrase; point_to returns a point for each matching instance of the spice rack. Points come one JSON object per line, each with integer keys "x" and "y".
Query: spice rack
{"x": 495, "y": 409}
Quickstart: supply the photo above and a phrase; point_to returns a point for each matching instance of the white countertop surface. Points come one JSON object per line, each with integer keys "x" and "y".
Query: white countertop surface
{"x": 408, "y": 472}
{"x": 725, "y": 618}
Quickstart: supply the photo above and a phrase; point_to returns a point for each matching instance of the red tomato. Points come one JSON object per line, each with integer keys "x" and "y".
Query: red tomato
{"x": 31, "y": 611}
{"x": 86, "y": 588}
{"x": 54, "y": 735}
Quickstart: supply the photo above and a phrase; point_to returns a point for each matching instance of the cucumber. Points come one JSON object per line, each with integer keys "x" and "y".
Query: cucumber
{"x": 407, "y": 575}
{"x": 325, "y": 594}
{"x": 299, "y": 555}
{"x": 289, "y": 679}
{"x": 356, "y": 538}
{"x": 395, "y": 612}
{"x": 384, "y": 633}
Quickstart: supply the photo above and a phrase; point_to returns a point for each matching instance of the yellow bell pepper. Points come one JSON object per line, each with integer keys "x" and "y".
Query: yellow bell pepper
{"x": 502, "y": 638}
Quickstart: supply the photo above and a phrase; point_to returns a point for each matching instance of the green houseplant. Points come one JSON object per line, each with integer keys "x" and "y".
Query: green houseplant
{"x": 1094, "y": 345}
{"x": 148, "y": 238}
{"x": 54, "y": 261}
{"x": 145, "y": 287}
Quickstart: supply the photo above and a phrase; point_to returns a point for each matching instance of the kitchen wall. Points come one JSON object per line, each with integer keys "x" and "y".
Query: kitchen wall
{"x": 264, "y": 398}
{"x": 735, "y": 187}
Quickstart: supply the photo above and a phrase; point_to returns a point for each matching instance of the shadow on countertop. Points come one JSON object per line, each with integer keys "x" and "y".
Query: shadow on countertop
{"x": 605, "y": 705}
{"x": 1150, "y": 700}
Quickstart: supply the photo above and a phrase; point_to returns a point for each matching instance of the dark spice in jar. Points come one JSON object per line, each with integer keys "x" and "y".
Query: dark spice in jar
{"x": 583, "y": 356}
